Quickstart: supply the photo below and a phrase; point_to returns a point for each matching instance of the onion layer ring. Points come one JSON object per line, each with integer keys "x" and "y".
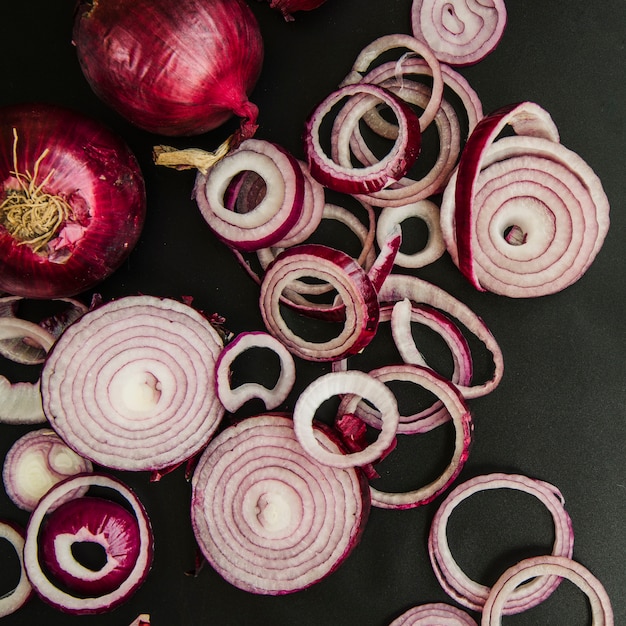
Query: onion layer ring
{"x": 15, "y": 599}
{"x": 472, "y": 594}
{"x": 434, "y": 614}
{"x": 548, "y": 565}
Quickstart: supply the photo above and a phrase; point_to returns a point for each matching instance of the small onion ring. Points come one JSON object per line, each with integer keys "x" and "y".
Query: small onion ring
{"x": 373, "y": 177}
{"x": 267, "y": 517}
{"x": 434, "y": 614}
{"x": 335, "y": 384}
{"x": 472, "y": 594}
{"x": 47, "y": 589}
{"x": 548, "y": 565}
{"x": 359, "y": 311}
{"x": 428, "y": 212}
{"x": 15, "y": 599}
{"x": 460, "y": 32}
{"x": 234, "y": 399}
{"x": 131, "y": 384}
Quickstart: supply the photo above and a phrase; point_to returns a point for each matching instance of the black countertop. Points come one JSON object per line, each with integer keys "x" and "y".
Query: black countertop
{"x": 559, "y": 414}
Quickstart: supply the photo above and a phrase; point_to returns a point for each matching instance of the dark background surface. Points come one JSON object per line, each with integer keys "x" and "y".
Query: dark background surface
{"x": 558, "y": 415}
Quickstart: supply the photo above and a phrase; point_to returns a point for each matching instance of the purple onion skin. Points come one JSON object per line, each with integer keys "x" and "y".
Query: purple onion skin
{"x": 174, "y": 68}
{"x": 100, "y": 516}
{"x": 90, "y": 164}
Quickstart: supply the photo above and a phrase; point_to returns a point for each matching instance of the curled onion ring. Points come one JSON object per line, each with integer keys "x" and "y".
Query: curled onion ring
{"x": 460, "y": 32}
{"x": 15, "y": 599}
{"x": 233, "y": 399}
{"x": 131, "y": 384}
{"x": 267, "y": 517}
{"x": 472, "y": 594}
{"x": 548, "y": 565}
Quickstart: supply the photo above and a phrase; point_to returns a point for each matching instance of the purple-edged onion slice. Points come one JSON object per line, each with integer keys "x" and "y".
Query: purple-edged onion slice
{"x": 270, "y": 212}
{"x": 390, "y": 168}
{"x": 539, "y": 567}
{"x": 131, "y": 384}
{"x": 234, "y": 398}
{"x": 460, "y": 32}
{"x": 466, "y": 591}
{"x": 434, "y": 614}
{"x": 267, "y": 517}
{"x": 123, "y": 531}
{"x": 359, "y": 304}
{"x": 36, "y": 462}
{"x": 17, "y": 597}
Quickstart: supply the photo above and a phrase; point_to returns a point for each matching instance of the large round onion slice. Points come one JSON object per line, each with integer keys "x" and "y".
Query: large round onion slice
{"x": 389, "y": 169}
{"x": 37, "y": 461}
{"x": 472, "y": 594}
{"x": 131, "y": 384}
{"x": 335, "y": 384}
{"x": 359, "y": 311}
{"x": 460, "y": 32}
{"x": 79, "y": 527}
{"x": 434, "y": 614}
{"x": 268, "y": 518}
{"x": 541, "y": 566}
{"x": 15, "y": 599}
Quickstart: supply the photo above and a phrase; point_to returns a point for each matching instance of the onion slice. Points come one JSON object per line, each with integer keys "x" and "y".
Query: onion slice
{"x": 359, "y": 311}
{"x": 16, "y": 598}
{"x": 36, "y": 462}
{"x": 131, "y": 384}
{"x": 434, "y": 614}
{"x": 135, "y": 574}
{"x": 389, "y": 169}
{"x": 267, "y": 517}
{"x": 460, "y": 32}
{"x": 234, "y": 398}
{"x": 335, "y": 384}
{"x": 472, "y": 594}
{"x": 540, "y": 567}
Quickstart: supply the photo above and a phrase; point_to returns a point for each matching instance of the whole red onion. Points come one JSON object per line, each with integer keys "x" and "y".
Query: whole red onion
{"x": 72, "y": 201}
{"x": 173, "y": 68}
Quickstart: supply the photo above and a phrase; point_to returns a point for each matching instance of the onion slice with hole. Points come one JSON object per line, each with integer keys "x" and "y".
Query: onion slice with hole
{"x": 460, "y": 32}
{"x": 336, "y": 384}
{"x": 135, "y": 572}
{"x": 359, "y": 311}
{"x": 434, "y": 614}
{"x": 541, "y": 566}
{"x": 36, "y": 462}
{"x": 17, "y": 597}
{"x": 472, "y": 594}
{"x": 267, "y": 517}
{"x": 131, "y": 384}
{"x": 280, "y": 199}
{"x": 390, "y": 168}
{"x": 234, "y": 398}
